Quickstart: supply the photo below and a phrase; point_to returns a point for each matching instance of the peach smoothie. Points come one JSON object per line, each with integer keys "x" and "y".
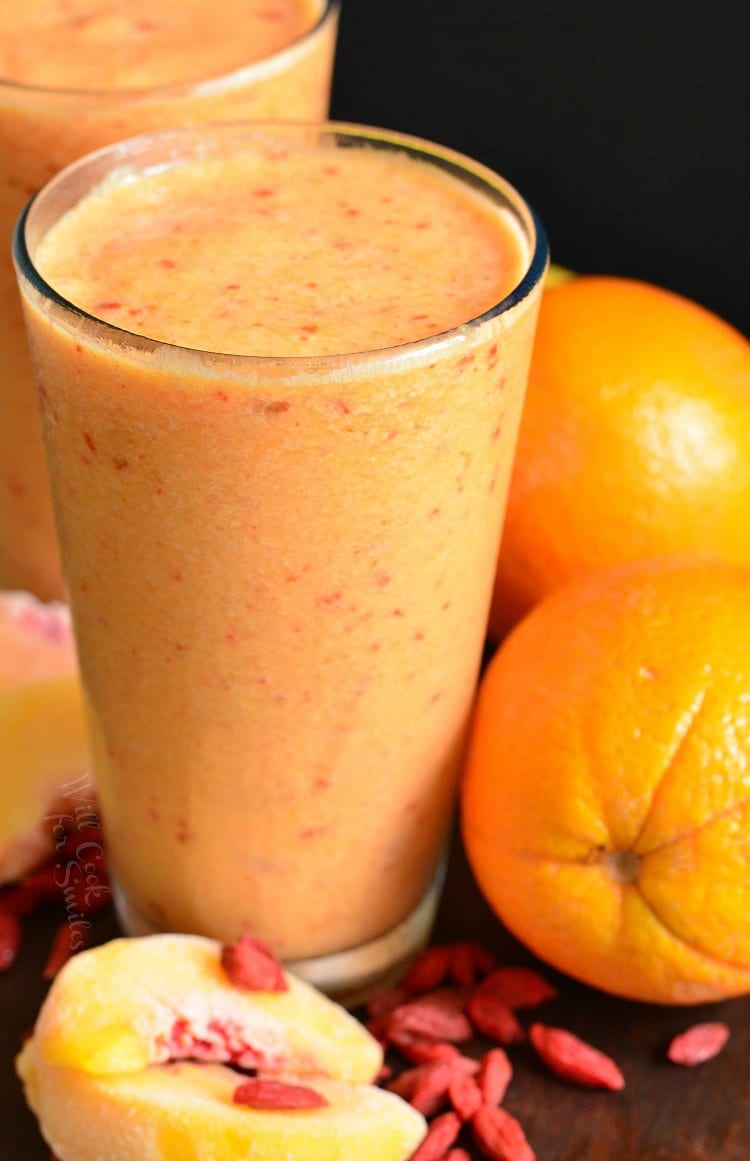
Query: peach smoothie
{"x": 281, "y": 375}
{"x": 79, "y": 74}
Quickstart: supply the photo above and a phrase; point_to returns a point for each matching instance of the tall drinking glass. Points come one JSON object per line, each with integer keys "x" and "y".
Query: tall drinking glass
{"x": 76, "y": 77}
{"x": 279, "y": 508}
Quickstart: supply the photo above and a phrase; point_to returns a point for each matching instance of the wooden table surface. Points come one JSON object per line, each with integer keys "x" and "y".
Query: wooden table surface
{"x": 665, "y": 1113}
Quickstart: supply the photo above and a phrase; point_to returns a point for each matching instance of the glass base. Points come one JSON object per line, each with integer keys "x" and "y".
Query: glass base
{"x": 348, "y": 976}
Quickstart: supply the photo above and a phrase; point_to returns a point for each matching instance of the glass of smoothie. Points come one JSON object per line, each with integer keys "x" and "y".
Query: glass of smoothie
{"x": 281, "y": 371}
{"x": 79, "y": 74}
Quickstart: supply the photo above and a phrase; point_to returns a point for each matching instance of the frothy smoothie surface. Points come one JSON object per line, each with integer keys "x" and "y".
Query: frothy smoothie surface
{"x": 307, "y": 252}
{"x": 129, "y": 44}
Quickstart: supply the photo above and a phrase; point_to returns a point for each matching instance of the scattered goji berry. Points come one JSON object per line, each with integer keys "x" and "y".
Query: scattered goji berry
{"x": 575, "y": 1060}
{"x": 518, "y": 987}
{"x": 441, "y": 1134}
{"x": 430, "y": 1093}
{"x": 10, "y": 939}
{"x": 493, "y": 1018}
{"x": 469, "y": 962}
{"x": 421, "y": 1049}
{"x": 429, "y": 970}
{"x": 697, "y": 1044}
{"x": 457, "y": 1155}
{"x": 43, "y": 883}
{"x": 384, "y": 1000}
{"x": 259, "y": 1093}
{"x": 439, "y": 1016}
{"x": 19, "y": 900}
{"x": 465, "y": 1095}
{"x": 252, "y": 967}
{"x": 499, "y": 1135}
{"x": 494, "y": 1076}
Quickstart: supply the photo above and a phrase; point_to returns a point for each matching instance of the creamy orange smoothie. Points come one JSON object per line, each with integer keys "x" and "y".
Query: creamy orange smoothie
{"x": 280, "y": 556}
{"x": 79, "y": 74}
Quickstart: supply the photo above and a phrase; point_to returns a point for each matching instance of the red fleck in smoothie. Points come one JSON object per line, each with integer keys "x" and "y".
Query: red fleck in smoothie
{"x": 280, "y": 556}
{"x": 79, "y": 74}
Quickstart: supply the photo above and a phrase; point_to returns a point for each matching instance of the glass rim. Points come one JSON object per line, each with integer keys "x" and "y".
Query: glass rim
{"x": 465, "y": 169}
{"x": 242, "y": 74}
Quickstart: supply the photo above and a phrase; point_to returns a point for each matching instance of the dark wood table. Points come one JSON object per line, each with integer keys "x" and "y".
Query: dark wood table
{"x": 665, "y": 1113}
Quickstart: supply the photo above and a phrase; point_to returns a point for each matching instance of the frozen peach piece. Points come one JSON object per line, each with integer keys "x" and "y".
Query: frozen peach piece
{"x": 185, "y": 1112}
{"x": 42, "y": 731}
{"x": 136, "y": 1002}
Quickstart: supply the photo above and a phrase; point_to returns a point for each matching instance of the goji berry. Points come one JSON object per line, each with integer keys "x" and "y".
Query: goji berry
{"x": 499, "y": 1135}
{"x": 259, "y": 1093}
{"x": 428, "y": 971}
{"x": 384, "y": 1000}
{"x": 575, "y": 1060}
{"x": 10, "y": 939}
{"x": 457, "y": 1155}
{"x": 697, "y": 1044}
{"x": 441, "y": 1134}
{"x": 19, "y": 900}
{"x": 430, "y": 1092}
{"x": 421, "y": 1049}
{"x": 252, "y": 967}
{"x": 43, "y": 883}
{"x": 494, "y": 1076}
{"x": 518, "y": 987}
{"x": 469, "y": 962}
{"x": 439, "y": 1016}
{"x": 465, "y": 1095}
{"x": 493, "y": 1018}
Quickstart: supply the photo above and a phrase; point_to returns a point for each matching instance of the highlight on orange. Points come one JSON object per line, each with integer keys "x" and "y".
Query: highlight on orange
{"x": 634, "y": 442}
{"x": 605, "y": 804}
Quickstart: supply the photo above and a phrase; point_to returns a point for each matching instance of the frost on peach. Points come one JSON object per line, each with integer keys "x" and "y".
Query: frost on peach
{"x": 136, "y": 1002}
{"x": 42, "y": 733}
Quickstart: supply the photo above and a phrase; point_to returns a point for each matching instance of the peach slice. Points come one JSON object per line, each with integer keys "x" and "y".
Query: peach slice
{"x": 42, "y": 732}
{"x": 135, "y": 1002}
{"x": 185, "y": 1112}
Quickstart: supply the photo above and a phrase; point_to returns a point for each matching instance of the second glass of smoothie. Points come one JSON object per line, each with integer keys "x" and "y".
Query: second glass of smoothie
{"x": 81, "y": 74}
{"x": 281, "y": 372}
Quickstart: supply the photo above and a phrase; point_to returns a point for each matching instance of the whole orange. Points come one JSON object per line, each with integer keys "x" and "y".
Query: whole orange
{"x": 606, "y": 799}
{"x": 634, "y": 442}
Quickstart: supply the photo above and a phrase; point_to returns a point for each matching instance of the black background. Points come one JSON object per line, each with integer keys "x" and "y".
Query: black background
{"x": 624, "y": 124}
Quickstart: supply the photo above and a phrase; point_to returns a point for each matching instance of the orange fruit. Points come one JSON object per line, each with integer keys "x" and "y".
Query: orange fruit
{"x": 634, "y": 442}
{"x": 606, "y": 798}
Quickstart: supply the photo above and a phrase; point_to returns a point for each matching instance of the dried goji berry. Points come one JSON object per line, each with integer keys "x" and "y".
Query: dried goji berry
{"x": 699, "y": 1043}
{"x": 10, "y": 939}
{"x": 384, "y": 1000}
{"x": 420, "y": 1049}
{"x": 438, "y": 1016}
{"x": 494, "y": 1076}
{"x": 252, "y": 967}
{"x": 259, "y": 1093}
{"x": 428, "y": 971}
{"x": 440, "y": 1136}
{"x": 575, "y": 1060}
{"x": 430, "y": 1092}
{"x": 43, "y": 883}
{"x": 457, "y": 1155}
{"x": 465, "y": 1095}
{"x": 518, "y": 987}
{"x": 499, "y": 1135}
{"x": 19, "y": 900}
{"x": 493, "y": 1018}
{"x": 469, "y": 962}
